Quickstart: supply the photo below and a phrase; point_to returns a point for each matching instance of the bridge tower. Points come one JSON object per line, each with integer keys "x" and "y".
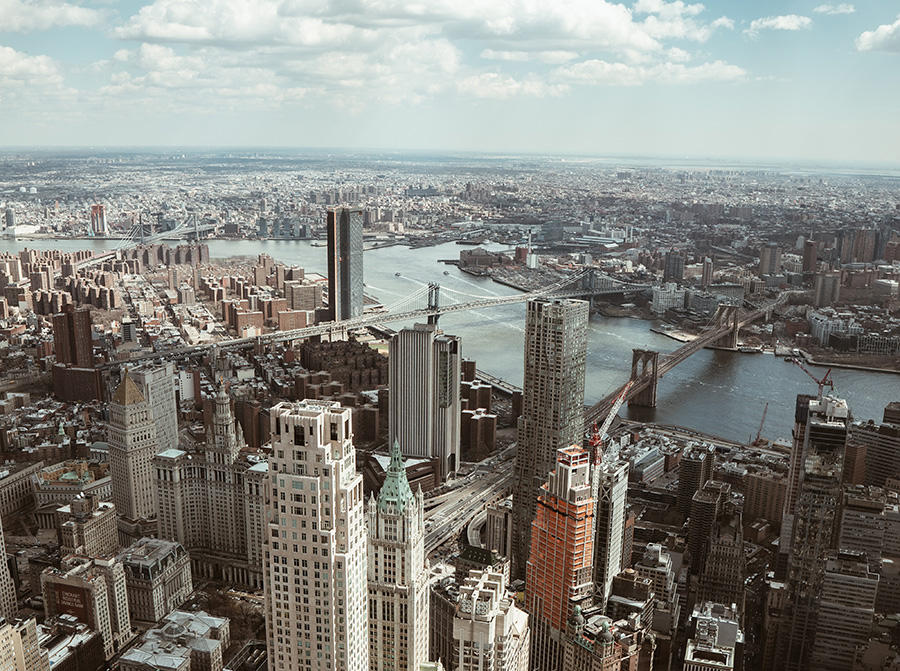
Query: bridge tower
{"x": 727, "y": 316}
{"x": 645, "y": 362}
{"x": 434, "y": 295}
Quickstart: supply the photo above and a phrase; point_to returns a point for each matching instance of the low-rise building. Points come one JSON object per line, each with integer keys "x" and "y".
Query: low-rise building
{"x": 158, "y": 576}
{"x": 183, "y": 642}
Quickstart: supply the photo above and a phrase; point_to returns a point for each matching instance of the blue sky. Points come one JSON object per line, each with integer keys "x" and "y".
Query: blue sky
{"x": 735, "y": 78}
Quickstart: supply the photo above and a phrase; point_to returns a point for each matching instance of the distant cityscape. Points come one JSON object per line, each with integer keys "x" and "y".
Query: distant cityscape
{"x": 374, "y": 412}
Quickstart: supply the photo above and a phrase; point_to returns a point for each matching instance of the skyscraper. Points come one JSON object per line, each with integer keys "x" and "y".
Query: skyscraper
{"x": 610, "y": 487}
{"x": 98, "y": 220}
{"x": 707, "y": 277}
{"x": 846, "y": 610}
{"x": 810, "y": 256}
{"x": 132, "y": 445}
{"x": 673, "y": 266}
{"x": 559, "y": 570}
{"x": 345, "y": 263}
{"x": 769, "y": 258}
{"x": 815, "y": 523}
{"x": 8, "y": 601}
{"x": 212, "y": 501}
{"x": 552, "y": 404}
{"x": 489, "y": 632}
{"x": 72, "y": 339}
{"x": 315, "y": 554}
{"x": 397, "y": 574}
{"x": 157, "y": 384}
{"x": 424, "y": 402}
{"x": 694, "y": 469}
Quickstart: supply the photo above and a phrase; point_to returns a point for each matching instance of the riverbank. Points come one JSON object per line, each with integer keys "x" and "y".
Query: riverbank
{"x": 812, "y": 361}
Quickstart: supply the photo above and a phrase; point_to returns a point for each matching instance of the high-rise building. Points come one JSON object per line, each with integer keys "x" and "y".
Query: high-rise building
{"x": 881, "y": 446}
{"x": 98, "y": 220}
{"x": 827, "y": 289}
{"x": 707, "y": 505}
{"x": 815, "y": 523}
{"x": 10, "y": 218}
{"x": 846, "y": 610}
{"x": 552, "y": 405}
{"x": 769, "y": 259}
{"x": 609, "y": 484}
{"x": 157, "y": 383}
{"x": 707, "y": 276}
{"x": 722, "y": 577}
{"x": 132, "y": 445}
{"x": 397, "y": 574}
{"x": 559, "y": 573}
{"x": 715, "y": 640}
{"x": 810, "y": 256}
{"x": 345, "y": 263}
{"x": 673, "y": 267}
{"x": 424, "y": 403}
{"x": 498, "y": 528}
{"x": 489, "y": 632}
{"x": 316, "y": 541}
{"x": 87, "y": 527}
{"x": 95, "y": 592}
{"x": 20, "y": 649}
{"x": 212, "y": 501}
{"x": 72, "y": 337}
{"x": 694, "y": 469}
{"x": 9, "y": 606}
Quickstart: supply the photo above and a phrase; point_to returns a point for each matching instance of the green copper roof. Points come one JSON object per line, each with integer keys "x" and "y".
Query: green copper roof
{"x": 396, "y": 487}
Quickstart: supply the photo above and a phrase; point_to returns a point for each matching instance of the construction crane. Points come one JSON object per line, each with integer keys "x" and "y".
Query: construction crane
{"x": 824, "y": 382}
{"x": 761, "y": 423}
{"x": 599, "y": 435}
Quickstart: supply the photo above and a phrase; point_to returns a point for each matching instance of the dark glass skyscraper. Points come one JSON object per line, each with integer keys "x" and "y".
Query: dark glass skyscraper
{"x": 345, "y": 263}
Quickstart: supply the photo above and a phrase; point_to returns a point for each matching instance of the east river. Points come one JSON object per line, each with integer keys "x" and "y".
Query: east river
{"x": 721, "y": 393}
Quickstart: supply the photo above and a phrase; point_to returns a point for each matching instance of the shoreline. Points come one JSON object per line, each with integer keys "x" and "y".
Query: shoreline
{"x": 849, "y": 366}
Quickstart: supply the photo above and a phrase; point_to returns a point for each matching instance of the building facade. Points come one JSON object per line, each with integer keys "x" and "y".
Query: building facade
{"x": 95, "y": 592}
{"x": 424, "y": 399}
{"x": 315, "y": 542}
{"x": 157, "y": 382}
{"x": 212, "y": 500}
{"x": 9, "y": 606}
{"x": 559, "y": 573}
{"x": 87, "y": 527}
{"x": 345, "y": 263}
{"x": 552, "y": 405}
{"x": 397, "y": 574}
{"x": 489, "y": 632}
{"x": 132, "y": 444}
{"x": 158, "y": 577}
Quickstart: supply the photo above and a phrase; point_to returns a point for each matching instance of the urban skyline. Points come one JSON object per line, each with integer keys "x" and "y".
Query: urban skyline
{"x": 392, "y": 410}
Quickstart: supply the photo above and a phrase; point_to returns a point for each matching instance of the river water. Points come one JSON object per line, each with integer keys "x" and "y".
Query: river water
{"x": 721, "y": 393}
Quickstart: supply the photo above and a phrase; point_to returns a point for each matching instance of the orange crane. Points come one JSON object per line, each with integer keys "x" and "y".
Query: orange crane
{"x": 599, "y": 435}
{"x": 824, "y": 382}
{"x": 759, "y": 440}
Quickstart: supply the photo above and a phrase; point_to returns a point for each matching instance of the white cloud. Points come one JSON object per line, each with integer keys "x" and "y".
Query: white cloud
{"x": 785, "y": 22}
{"x": 501, "y": 87}
{"x": 622, "y": 74}
{"x": 20, "y": 69}
{"x": 553, "y": 57}
{"x": 24, "y": 15}
{"x": 885, "y": 37}
{"x": 843, "y": 8}
{"x": 400, "y": 51}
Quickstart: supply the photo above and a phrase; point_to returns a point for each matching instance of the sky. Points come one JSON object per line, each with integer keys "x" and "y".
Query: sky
{"x": 753, "y": 79}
